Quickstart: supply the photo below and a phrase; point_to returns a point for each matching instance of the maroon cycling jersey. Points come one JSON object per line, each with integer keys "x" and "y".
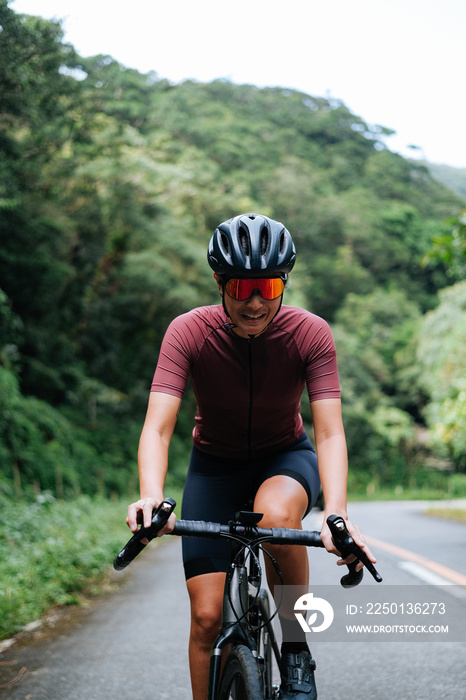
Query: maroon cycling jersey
{"x": 248, "y": 390}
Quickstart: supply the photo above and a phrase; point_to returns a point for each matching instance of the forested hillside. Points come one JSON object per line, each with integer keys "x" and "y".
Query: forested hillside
{"x": 111, "y": 183}
{"x": 453, "y": 178}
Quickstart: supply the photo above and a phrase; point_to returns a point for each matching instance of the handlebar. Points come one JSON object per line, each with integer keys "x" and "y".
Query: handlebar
{"x": 249, "y": 534}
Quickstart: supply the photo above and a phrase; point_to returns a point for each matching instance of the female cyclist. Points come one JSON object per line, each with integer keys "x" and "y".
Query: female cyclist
{"x": 248, "y": 360}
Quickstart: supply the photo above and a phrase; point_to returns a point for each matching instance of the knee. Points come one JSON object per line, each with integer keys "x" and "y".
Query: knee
{"x": 205, "y": 622}
{"x": 206, "y": 595}
{"x": 281, "y": 515}
{"x": 283, "y": 501}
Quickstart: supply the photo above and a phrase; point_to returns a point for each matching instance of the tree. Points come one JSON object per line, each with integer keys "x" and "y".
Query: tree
{"x": 449, "y": 248}
{"x": 442, "y": 357}
{"x": 373, "y": 335}
{"x": 35, "y": 96}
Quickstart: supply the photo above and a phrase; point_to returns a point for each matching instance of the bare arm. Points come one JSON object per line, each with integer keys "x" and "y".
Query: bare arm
{"x": 331, "y": 453}
{"x": 333, "y": 468}
{"x": 156, "y": 435}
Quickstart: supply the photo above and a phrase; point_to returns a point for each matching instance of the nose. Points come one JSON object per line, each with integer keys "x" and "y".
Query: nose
{"x": 255, "y": 299}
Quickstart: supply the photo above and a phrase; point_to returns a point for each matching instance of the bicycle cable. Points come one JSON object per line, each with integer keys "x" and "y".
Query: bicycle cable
{"x": 249, "y": 546}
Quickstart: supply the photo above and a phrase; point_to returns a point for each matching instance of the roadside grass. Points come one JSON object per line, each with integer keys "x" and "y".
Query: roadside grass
{"x": 457, "y": 514}
{"x": 55, "y": 553}
{"x": 424, "y": 485}
{"x": 448, "y": 512}
{"x": 394, "y": 495}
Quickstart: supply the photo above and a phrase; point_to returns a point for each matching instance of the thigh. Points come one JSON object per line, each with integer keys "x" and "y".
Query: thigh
{"x": 214, "y": 490}
{"x": 299, "y": 464}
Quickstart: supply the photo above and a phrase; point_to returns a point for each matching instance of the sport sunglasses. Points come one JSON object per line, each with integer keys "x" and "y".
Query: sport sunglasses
{"x": 242, "y": 289}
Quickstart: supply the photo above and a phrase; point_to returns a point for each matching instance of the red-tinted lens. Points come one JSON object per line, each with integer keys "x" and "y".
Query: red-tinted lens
{"x": 242, "y": 289}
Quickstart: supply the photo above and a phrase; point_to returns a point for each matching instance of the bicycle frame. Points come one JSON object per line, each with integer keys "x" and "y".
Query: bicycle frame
{"x": 237, "y": 608}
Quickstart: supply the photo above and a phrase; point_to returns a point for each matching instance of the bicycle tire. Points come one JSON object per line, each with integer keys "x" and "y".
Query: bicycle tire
{"x": 241, "y": 678}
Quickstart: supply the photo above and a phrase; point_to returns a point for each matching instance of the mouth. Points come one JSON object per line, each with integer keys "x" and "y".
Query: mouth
{"x": 252, "y": 319}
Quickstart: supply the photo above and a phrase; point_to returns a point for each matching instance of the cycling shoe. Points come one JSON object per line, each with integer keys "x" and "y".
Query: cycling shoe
{"x": 297, "y": 677}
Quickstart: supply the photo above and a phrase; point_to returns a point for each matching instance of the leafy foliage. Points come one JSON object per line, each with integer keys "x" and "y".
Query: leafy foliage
{"x": 111, "y": 183}
{"x": 53, "y": 553}
{"x": 450, "y": 248}
{"x": 442, "y": 356}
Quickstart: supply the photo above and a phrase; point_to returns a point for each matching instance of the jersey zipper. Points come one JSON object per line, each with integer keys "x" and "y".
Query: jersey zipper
{"x": 251, "y": 388}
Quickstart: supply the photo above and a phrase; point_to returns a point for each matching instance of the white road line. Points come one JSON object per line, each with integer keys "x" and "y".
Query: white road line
{"x": 432, "y": 578}
{"x": 424, "y": 574}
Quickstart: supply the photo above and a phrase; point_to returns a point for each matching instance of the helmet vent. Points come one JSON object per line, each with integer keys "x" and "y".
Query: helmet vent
{"x": 244, "y": 240}
{"x": 264, "y": 240}
{"x": 282, "y": 241}
{"x": 225, "y": 244}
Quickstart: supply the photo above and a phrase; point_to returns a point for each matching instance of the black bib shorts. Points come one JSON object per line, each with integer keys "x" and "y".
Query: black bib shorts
{"x": 217, "y": 488}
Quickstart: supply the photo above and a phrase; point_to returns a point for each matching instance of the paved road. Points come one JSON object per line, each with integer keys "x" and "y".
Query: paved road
{"x": 132, "y": 643}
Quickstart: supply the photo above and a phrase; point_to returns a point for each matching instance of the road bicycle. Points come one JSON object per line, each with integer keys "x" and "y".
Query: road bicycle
{"x": 246, "y": 630}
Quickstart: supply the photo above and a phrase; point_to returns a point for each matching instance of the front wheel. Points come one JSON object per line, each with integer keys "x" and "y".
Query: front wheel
{"x": 241, "y": 679}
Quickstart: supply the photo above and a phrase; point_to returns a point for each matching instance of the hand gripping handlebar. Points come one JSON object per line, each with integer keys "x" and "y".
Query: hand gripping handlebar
{"x": 346, "y": 545}
{"x": 160, "y": 516}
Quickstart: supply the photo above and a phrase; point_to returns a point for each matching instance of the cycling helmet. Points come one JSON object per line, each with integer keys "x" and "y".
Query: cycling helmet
{"x": 251, "y": 245}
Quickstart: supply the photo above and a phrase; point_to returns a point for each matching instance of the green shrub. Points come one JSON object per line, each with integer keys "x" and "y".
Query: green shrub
{"x": 52, "y": 552}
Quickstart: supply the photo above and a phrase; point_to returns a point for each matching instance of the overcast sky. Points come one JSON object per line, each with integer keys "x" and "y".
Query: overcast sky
{"x": 397, "y": 63}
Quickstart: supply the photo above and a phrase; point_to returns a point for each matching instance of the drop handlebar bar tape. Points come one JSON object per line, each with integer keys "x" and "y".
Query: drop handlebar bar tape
{"x": 199, "y": 528}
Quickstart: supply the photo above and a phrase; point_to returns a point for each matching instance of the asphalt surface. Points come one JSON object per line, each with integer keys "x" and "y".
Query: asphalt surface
{"x": 132, "y": 643}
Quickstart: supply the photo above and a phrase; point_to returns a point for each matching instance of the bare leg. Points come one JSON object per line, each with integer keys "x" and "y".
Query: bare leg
{"x": 284, "y": 502}
{"x": 206, "y": 595}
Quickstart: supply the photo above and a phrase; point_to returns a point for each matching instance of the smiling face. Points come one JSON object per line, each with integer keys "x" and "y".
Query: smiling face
{"x": 251, "y": 316}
